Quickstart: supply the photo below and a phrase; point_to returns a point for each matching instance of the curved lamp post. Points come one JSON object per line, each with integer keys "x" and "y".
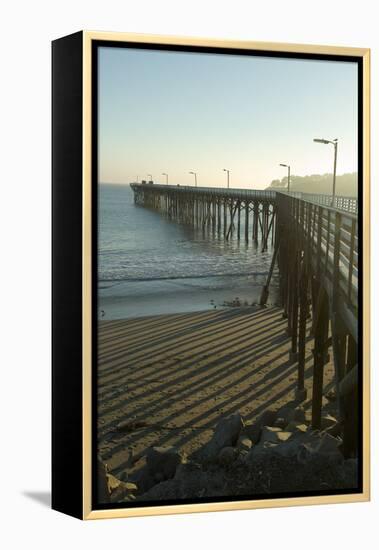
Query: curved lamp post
{"x": 335, "y": 143}
{"x": 289, "y": 175}
{"x": 164, "y": 174}
{"x": 227, "y": 175}
{"x": 194, "y": 174}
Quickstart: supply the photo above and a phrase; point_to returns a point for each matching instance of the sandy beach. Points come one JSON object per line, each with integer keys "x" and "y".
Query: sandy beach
{"x": 168, "y": 379}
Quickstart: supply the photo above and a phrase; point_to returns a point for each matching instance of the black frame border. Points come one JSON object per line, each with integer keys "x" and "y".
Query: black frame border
{"x": 94, "y": 186}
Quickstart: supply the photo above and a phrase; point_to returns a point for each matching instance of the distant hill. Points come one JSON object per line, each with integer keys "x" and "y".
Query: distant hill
{"x": 345, "y": 185}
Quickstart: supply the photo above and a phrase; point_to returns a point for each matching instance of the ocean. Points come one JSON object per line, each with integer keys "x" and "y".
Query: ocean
{"x": 150, "y": 265}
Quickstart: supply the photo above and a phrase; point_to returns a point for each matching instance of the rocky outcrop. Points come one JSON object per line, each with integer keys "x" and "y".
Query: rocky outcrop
{"x": 279, "y": 452}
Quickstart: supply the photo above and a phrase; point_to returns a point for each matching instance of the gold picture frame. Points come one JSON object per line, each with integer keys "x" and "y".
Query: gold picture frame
{"x": 80, "y": 50}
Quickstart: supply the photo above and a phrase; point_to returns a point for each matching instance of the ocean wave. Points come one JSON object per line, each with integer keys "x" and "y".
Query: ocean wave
{"x": 181, "y": 277}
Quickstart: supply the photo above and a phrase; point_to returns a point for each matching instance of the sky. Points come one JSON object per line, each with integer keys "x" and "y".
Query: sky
{"x": 177, "y": 112}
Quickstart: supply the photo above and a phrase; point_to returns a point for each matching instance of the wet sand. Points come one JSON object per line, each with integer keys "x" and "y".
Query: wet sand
{"x": 167, "y": 379}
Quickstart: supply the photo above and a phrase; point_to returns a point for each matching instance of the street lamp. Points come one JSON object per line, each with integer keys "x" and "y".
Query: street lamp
{"x": 289, "y": 175}
{"x": 194, "y": 174}
{"x": 164, "y": 174}
{"x": 150, "y": 176}
{"x": 335, "y": 143}
{"x": 227, "y": 175}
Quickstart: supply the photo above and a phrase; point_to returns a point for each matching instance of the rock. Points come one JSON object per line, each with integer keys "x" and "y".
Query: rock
{"x": 253, "y": 431}
{"x": 102, "y": 483}
{"x": 187, "y": 469}
{"x": 144, "y": 479}
{"x": 331, "y": 395}
{"x": 167, "y": 490}
{"x": 226, "y": 435}
{"x": 294, "y": 426}
{"x": 130, "y": 425}
{"x": 241, "y": 458}
{"x": 274, "y": 435}
{"x": 131, "y": 487}
{"x": 297, "y": 415}
{"x": 119, "y": 489}
{"x": 124, "y": 476}
{"x": 159, "y": 477}
{"x": 329, "y": 444}
{"x": 244, "y": 443}
{"x": 335, "y": 430}
{"x": 267, "y": 418}
{"x": 227, "y": 456}
{"x": 189, "y": 482}
{"x": 228, "y": 430}
{"x": 319, "y": 450}
{"x": 290, "y": 448}
{"x": 327, "y": 421}
{"x": 280, "y": 423}
{"x": 260, "y": 451}
{"x": 163, "y": 461}
{"x": 290, "y": 414}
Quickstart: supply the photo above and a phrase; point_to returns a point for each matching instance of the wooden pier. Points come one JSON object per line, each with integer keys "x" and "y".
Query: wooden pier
{"x": 245, "y": 214}
{"x": 315, "y": 248}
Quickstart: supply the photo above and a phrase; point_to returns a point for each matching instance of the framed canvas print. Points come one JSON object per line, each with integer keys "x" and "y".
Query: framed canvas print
{"x": 210, "y": 275}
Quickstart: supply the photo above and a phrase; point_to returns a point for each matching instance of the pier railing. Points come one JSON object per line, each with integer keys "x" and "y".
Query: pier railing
{"x": 347, "y": 204}
{"x": 318, "y": 257}
{"x": 214, "y": 191}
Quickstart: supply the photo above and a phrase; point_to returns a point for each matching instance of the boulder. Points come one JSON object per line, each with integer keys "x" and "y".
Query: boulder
{"x": 320, "y": 450}
{"x": 190, "y": 481}
{"x": 290, "y": 447}
{"x": 187, "y": 469}
{"x": 294, "y": 426}
{"x": 328, "y": 421}
{"x": 144, "y": 479}
{"x": 280, "y": 423}
{"x": 167, "y": 490}
{"x": 227, "y": 456}
{"x": 244, "y": 443}
{"x": 118, "y": 489}
{"x": 259, "y": 452}
{"x": 253, "y": 431}
{"x": 297, "y": 415}
{"x": 161, "y": 462}
{"x": 271, "y": 434}
{"x": 267, "y": 418}
{"x": 225, "y": 435}
{"x": 289, "y": 414}
{"x": 334, "y": 430}
{"x": 124, "y": 476}
{"x": 228, "y": 430}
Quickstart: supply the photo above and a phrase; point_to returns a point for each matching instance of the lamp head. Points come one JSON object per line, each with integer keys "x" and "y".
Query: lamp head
{"x": 317, "y": 140}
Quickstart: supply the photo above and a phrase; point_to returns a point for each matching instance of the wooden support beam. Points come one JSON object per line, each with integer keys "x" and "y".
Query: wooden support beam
{"x": 321, "y": 336}
{"x": 303, "y": 298}
{"x": 247, "y": 207}
{"x": 232, "y": 214}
